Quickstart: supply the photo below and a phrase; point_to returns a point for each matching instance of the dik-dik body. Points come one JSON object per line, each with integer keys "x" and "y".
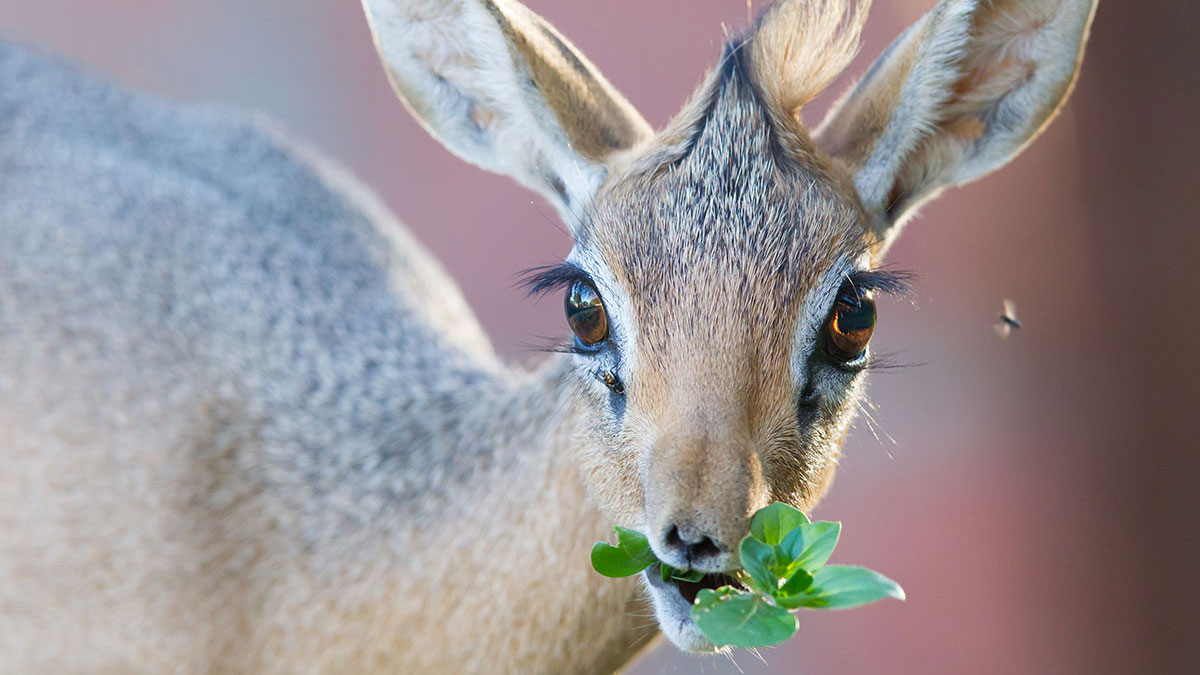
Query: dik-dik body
{"x": 247, "y": 424}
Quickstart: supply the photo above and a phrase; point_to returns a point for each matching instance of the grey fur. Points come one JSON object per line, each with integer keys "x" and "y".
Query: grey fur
{"x": 225, "y": 255}
{"x": 247, "y": 424}
{"x": 229, "y": 338}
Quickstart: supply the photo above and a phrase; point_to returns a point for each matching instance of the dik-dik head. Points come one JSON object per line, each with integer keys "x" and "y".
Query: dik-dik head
{"x": 720, "y": 288}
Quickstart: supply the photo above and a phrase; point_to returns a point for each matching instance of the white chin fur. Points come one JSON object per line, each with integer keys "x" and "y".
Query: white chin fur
{"x": 674, "y": 614}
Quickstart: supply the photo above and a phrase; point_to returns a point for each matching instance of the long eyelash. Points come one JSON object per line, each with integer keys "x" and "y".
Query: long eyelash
{"x": 540, "y": 280}
{"x": 887, "y": 362}
{"x": 557, "y": 346}
{"x": 876, "y": 361}
{"x": 891, "y": 282}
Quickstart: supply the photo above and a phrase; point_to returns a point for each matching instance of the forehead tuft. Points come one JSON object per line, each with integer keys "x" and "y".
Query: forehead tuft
{"x": 719, "y": 217}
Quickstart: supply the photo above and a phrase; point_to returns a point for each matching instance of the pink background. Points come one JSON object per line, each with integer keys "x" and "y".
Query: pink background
{"x": 1036, "y": 497}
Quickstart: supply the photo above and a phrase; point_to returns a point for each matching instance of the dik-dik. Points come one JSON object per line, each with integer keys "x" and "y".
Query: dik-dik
{"x": 247, "y": 424}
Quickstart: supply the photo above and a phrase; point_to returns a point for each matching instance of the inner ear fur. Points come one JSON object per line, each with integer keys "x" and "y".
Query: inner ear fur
{"x": 501, "y": 88}
{"x": 957, "y": 95}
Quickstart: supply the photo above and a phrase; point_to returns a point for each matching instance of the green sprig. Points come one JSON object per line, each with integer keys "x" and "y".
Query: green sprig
{"x": 784, "y": 567}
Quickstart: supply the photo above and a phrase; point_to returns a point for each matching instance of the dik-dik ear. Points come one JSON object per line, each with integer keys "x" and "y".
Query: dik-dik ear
{"x": 502, "y": 89}
{"x": 957, "y": 95}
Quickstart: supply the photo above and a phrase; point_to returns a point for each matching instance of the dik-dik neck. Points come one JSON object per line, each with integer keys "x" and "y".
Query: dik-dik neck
{"x": 506, "y": 584}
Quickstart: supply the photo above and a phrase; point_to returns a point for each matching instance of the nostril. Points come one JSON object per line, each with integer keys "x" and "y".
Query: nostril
{"x": 705, "y": 548}
{"x": 673, "y": 539}
{"x": 694, "y": 548}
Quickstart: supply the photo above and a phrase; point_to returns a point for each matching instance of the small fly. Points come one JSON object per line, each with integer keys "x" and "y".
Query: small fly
{"x": 1008, "y": 320}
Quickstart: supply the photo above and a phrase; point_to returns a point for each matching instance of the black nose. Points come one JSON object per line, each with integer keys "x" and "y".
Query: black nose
{"x": 693, "y": 546}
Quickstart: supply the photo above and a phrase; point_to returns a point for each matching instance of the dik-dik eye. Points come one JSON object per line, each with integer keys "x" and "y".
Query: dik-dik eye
{"x": 585, "y": 314}
{"x": 850, "y": 325}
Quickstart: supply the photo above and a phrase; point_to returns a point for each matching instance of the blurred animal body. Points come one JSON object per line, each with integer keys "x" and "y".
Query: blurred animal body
{"x": 248, "y": 424}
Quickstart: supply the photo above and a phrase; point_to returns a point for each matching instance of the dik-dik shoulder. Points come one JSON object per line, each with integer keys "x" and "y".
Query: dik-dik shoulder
{"x": 206, "y": 228}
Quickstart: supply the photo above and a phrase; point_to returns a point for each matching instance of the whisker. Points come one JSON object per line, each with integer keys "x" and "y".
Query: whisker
{"x": 729, "y": 655}
{"x": 640, "y": 633}
{"x": 569, "y": 212}
{"x": 876, "y": 428}
{"x": 870, "y": 422}
{"x": 558, "y": 226}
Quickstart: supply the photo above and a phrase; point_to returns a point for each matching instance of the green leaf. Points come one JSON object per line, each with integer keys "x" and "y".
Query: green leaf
{"x": 757, "y": 560}
{"x": 772, "y": 523}
{"x": 790, "y": 547}
{"x": 845, "y": 586}
{"x": 741, "y": 619}
{"x": 818, "y": 541}
{"x": 631, "y": 555}
{"x": 797, "y": 583}
{"x": 669, "y": 573}
{"x": 791, "y": 594}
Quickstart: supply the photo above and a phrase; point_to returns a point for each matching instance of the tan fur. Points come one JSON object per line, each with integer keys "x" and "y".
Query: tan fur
{"x": 597, "y": 119}
{"x": 713, "y": 241}
{"x": 800, "y": 46}
{"x": 712, "y": 413}
{"x": 921, "y": 120}
{"x": 536, "y": 108}
{"x": 307, "y": 458}
{"x": 863, "y": 113}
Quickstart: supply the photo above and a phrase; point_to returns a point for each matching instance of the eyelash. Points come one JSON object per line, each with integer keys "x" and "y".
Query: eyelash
{"x": 897, "y": 283}
{"x": 538, "y": 281}
{"x": 874, "y": 362}
{"x": 546, "y": 279}
{"x": 569, "y": 347}
{"x": 885, "y": 362}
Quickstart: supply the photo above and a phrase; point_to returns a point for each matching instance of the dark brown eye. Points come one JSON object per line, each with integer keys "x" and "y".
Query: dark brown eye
{"x": 585, "y": 314}
{"x": 850, "y": 325}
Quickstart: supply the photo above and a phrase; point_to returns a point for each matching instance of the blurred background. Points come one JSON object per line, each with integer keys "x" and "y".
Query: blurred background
{"x": 1037, "y": 496}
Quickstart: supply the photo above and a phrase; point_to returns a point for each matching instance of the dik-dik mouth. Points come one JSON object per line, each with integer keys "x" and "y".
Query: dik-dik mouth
{"x": 673, "y": 606}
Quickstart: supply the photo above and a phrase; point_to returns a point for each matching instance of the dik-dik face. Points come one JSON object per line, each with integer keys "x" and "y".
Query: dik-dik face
{"x": 720, "y": 293}
{"x": 720, "y": 297}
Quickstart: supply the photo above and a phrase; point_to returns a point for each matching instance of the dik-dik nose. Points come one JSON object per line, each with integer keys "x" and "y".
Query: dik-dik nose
{"x": 697, "y": 511}
{"x": 693, "y": 546}
{"x": 703, "y": 479}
